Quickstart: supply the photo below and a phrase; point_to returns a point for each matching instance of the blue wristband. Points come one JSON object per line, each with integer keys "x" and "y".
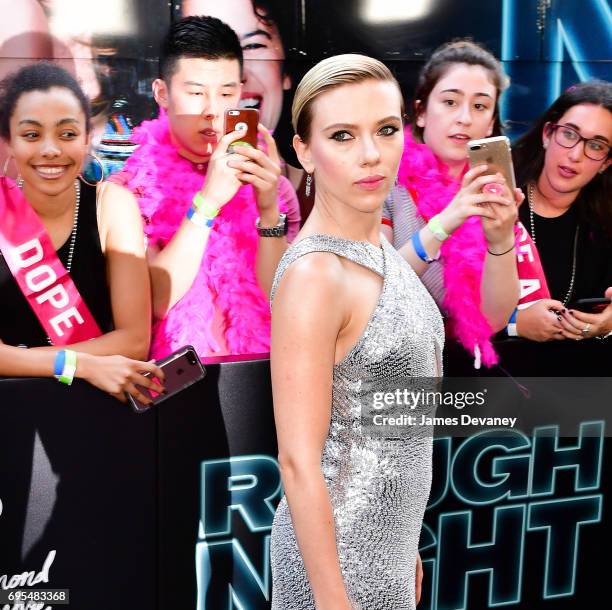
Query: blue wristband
{"x": 199, "y": 220}
{"x": 511, "y": 328}
{"x": 60, "y": 361}
{"x": 420, "y": 250}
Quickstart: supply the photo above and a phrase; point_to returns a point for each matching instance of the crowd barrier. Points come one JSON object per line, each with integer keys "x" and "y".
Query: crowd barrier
{"x": 172, "y": 509}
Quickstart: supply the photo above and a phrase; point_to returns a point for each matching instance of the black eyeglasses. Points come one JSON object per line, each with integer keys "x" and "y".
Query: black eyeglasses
{"x": 568, "y": 137}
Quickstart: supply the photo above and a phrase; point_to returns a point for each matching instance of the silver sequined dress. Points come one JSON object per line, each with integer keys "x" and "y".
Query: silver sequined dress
{"x": 378, "y": 486}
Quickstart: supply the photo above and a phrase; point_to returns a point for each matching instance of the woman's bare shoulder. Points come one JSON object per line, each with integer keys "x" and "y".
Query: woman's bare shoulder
{"x": 313, "y": 283}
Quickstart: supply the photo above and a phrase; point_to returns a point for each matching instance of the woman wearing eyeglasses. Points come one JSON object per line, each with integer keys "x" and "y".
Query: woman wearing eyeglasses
{"x": 563, "y": 163}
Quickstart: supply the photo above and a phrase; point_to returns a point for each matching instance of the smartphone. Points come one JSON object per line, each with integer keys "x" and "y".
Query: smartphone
{"x": 247, "y": 117}
{"x": 182, "y": 369}
{"x": 496, "y": 154}
{"x": 594, "y": 305}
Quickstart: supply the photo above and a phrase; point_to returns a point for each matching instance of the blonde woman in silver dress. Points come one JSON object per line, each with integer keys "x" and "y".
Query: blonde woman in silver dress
{"x": 348, "y": 311}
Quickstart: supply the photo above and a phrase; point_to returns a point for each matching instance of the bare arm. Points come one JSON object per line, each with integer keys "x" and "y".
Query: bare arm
{"x": 122, "y": 242}
{"x": 302, "y": 360}
{"x": 430, "y": 243}
{"x": 499, "y": 287}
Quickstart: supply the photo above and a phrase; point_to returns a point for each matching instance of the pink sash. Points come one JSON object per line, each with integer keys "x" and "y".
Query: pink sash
{"x": 530, "y": 272}
{"x": 39, "y": 273}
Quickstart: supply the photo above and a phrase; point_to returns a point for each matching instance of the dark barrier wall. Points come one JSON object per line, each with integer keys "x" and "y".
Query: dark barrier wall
{"x": 172, "y": 509}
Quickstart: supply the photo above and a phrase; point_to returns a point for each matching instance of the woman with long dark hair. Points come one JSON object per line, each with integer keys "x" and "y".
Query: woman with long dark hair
{"x": 563, "y": 163}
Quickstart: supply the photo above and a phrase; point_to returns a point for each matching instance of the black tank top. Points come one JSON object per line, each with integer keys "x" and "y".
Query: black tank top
{"x": 18, "y": 324}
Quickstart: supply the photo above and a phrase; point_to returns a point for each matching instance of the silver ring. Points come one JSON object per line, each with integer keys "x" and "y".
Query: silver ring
{"x": 585, "y": 331}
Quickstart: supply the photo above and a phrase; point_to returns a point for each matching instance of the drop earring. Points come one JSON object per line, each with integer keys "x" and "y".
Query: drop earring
{"x": 308, "y": 185}
{"x": 5, "y": 167}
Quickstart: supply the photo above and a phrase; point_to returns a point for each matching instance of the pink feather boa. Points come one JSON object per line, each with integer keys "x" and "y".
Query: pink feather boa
{"x": 226, "y": 284}
{"x": 427, "y": 178}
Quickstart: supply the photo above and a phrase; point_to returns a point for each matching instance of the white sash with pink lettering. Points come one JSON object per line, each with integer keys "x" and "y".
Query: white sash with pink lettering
{"x": 42, "y": 278}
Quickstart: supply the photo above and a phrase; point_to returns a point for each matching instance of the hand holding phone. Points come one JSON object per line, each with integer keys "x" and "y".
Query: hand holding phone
{"x": 242, "y": 119}
{"x": 181, "y": 370}
{"x": 496, "y": 154}
{"x": 259, "y": 166}
{"x": 594, "y": 305}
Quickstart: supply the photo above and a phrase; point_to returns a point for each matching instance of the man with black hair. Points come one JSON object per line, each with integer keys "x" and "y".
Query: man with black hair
{"x": 217, "y": 223}
{"x": 264, "y": 29}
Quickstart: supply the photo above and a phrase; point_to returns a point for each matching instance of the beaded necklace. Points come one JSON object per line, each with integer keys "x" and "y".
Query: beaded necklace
{"x": 530, "y": 200}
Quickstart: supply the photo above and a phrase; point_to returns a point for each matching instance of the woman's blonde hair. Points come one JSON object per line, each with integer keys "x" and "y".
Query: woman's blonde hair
{"x": 328, "y": 74}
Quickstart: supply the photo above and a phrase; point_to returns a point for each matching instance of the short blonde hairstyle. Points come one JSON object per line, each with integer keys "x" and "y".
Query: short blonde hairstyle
{"x": 330, "y": 73}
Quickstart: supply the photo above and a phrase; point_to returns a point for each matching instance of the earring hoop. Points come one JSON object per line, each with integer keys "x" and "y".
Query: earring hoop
{"x": 102, "y": 173}
{"x": 6, "y": 164}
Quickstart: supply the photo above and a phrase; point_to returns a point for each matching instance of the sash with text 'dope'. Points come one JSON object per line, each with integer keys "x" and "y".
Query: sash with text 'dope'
{"x": 39, "y": 273}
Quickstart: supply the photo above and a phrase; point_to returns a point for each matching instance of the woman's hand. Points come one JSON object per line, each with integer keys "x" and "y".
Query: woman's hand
{"x": 117, "y": 375}
{"x": 418, "y": 584}
{"x": 540, "y": 322}
{"x": 470, "y": 200}
{"x": 499, "y": 230}
{"x": 578, "y": 325}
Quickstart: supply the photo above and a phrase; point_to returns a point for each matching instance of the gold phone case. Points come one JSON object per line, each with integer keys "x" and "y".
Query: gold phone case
{"x": 496, "y": 153}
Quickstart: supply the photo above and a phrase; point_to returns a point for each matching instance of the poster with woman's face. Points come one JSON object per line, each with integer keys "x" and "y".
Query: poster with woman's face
{"x": 265, "y": 78}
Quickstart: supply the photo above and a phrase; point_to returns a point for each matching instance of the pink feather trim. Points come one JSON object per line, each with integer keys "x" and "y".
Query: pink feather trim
{"x": 427, "y": 178}
{"x": 226, "y": 284}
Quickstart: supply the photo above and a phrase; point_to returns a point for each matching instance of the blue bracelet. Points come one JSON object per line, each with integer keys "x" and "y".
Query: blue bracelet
{"x": 60, "y": 361}
{"x": 420, "y": 250}
{"x": 511, "y": 328}
{"x": 199, "y": 220}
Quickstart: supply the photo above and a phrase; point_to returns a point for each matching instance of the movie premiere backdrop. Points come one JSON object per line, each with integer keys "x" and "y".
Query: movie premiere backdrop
{"x": 172, "y": 509}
